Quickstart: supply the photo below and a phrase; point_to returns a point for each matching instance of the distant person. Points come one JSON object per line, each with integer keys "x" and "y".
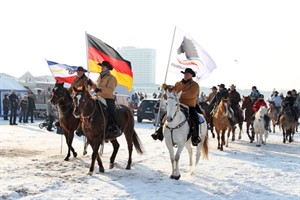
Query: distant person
{"x": 23, "y": 109}
{"x": 50, "y": 115}
{"x": 80, "y": 80}
{"x": 211, "y": 95}
{"x": 13, "y": 100}
{"x": 277, "y": 100}
{"x": 256, "y": 106}
{"x": 5, "y": 103}
{"x": 31, "y": 106}
{"x": 235, "y": 98}
{"x": 254, "y": 95}
{"x": 161, "y": 113}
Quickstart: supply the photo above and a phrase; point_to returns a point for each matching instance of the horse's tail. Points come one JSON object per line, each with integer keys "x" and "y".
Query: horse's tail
{"x": 137, "y": 142}
{"x": 205, "y": 148}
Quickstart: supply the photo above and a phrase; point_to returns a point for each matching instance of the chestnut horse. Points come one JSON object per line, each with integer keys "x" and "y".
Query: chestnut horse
{"x": 221, "y": 123}
{"x": 247, "y": 106}
{"x": 273, "y": 113}
{"x": 63, "y": 100}
{"x": 95, "y": 119}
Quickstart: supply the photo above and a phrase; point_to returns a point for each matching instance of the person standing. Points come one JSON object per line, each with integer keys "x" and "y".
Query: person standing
{"x": 50, "y": 114}
{"x": 13, "y": 100}
{"x": 105, "y": 87}
{"x": 5, "y": 103}
{"x": 23, "y": 109}
{"x": 31, "y": 106}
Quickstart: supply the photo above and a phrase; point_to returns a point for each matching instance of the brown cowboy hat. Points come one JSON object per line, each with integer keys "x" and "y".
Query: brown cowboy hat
{"x": 81, "y": 69}
{"x": 232, "y": 86}
{"x": 189, "y": 70}
{"x": 222, "y": 85}
{"x": 106, "y": 64}
{"x": 214, "y": 88}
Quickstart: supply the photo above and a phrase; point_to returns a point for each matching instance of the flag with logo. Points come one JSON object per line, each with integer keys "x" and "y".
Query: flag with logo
{"x": 187, "y": 53}
{"x": 62, "y": 72}
{"x": 99, "y": 51}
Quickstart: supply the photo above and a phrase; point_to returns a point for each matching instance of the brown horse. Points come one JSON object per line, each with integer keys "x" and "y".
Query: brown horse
{"x": 221, "y": 123}
{"x": 287, "y": 122}
{"x": 95, "y": 119}
{"x": 247, "y": 106}
{"x": 208, "y": 115}
{"x": 63, "y": 100}
{"x": 273, "y": 113}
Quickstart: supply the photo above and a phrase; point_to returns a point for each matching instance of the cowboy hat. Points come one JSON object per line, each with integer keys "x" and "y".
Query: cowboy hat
{"x": 81, "y": 69}
{"x": 106, "y": 64}
{"x": 214, "y": 88}
{"x": 221, "y": 85}
{"x": 190, "y": 71}
{"x": 232, "y": 86}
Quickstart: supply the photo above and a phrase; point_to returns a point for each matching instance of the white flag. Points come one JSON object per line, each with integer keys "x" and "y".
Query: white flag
{"x": 187, "y": 53}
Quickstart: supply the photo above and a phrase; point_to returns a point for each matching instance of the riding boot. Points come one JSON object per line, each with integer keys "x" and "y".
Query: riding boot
{"x": 194, "y": 130}
{"x": 267, "y": 120}
{"x": 251, "y": 121}
{"x": 158, "y": 134}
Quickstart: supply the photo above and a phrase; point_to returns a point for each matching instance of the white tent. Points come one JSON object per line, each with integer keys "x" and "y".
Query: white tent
{"x": 6, "y": 85}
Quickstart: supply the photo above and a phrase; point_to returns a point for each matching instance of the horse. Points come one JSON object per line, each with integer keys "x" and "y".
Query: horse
{"x": 176, "y": 131}
{"x": 95, "y": 119}
{"x": 259, "y": 126}
{"x": 208, "y": 116}
{"x": 221, "y": 123}
{"x": 287, "y": 122}
{"x": 63, "y": 100}
{"x": 238, "y": 115}
{"x": 273, "y": 113}
{"x": 247, "y": 106}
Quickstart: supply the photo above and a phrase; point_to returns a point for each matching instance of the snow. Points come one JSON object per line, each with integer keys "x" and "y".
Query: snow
{"x": 32, "y": 166}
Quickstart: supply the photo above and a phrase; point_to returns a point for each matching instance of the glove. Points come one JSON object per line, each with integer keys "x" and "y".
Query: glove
{"x": 164, "y": 86}
{"x": 89, "y": 82}
{"x": 97, "y": 90}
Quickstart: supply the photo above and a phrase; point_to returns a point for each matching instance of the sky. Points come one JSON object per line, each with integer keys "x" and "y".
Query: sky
{"x": 32, "y": 167}
{"x": 252, "y": 42}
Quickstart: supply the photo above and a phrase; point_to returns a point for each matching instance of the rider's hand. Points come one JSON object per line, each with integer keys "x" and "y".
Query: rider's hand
{"x": 164, "y": 86}
{"x": 89, "y": 82}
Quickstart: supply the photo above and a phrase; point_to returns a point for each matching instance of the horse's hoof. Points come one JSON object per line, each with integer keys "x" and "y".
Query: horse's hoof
{"x": 172, "y": 177}
{"x": 101, "y": 170}
{"x": 66, "y": 159}
{"x": 90, "y": 173}
{"x": 258, "y": 145}
{"x": 213, "y": 135}
{"x": 240, "y": 137}
{"x": 128, "y": 168}
{"x": 177, "y": 177}
{"x": 75, "y": 154}
{"x": 111, "y": 165}
{"x": 251, "y": 141}
{"x": 84, "y": 153}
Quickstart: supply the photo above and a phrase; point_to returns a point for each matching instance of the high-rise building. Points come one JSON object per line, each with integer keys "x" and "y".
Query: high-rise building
{"x": 143, "y": 63}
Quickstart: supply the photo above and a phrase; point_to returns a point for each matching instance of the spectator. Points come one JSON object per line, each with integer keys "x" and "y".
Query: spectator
{"x": 23, "y": 109}
{"x": 5, "y": 103}
{"x": 31, "y": 106}
{"x": 13, "y": 100}
{"x": 50, "y": 114}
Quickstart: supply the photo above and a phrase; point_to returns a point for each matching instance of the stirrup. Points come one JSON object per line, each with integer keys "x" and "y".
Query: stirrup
{"x": 195, "y": 140}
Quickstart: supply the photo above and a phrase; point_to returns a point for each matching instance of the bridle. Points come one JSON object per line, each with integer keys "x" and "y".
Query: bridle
{"x": 62, "y": 99}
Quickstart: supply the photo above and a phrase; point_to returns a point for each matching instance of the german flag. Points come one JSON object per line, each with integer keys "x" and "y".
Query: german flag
{"x": 98, "y": 52}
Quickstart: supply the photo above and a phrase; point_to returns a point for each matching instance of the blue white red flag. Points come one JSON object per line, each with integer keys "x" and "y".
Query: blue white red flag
{"x": 62, "y": 72}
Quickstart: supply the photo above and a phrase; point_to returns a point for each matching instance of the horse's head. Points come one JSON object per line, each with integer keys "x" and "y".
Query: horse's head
{"x": 173, "y": 105}
{"x": 262, "y": 111}
{"x": 58, "y": 93}
{"x": 189, "y": 48}
{"x": 271, "y": 104}
{"x": 80, "y": 97}
{"x": 246, "y": 102}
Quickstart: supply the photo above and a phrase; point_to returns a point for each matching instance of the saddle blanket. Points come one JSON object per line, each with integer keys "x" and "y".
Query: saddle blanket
{"x": 201, "y": 118}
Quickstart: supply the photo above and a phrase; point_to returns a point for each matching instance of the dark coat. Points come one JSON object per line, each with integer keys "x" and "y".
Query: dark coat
{"x": 13, "y": 100}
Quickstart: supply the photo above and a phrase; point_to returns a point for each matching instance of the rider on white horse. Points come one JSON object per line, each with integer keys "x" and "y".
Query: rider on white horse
{"x": 189, "y": 95}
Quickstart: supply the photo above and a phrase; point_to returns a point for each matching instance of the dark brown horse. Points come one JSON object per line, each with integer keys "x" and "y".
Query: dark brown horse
{"x": 247, "y": 106}
{"x": 221, "y": 123}
{"x": 208, "y": 115}
{"x": 95, "y": 119}
{"x": 287, "y": 122}
{"x": 63, "y": 100}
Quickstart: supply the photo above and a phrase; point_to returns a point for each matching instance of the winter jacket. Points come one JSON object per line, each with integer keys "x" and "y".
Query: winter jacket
{"x": 277, "y": 100}
{"x": 221, "y": 94}
{"x": 107, "y": 85}
{"x": 234, "y": 97}
{"x": 258, "y": 104}
{"x": 79, "y": 82}
{"x": 189, "y": 92}
{"x": 24, "y": 104}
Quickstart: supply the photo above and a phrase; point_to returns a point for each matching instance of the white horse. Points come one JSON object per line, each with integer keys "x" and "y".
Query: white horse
{"x": 259, "y": 126}
{"x": 176, "y": 130}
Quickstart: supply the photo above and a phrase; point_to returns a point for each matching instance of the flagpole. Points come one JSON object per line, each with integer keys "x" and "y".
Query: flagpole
{"x": 162, "y": 95}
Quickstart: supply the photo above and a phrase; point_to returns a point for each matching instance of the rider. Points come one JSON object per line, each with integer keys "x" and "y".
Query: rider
{"x": 80, "y": 80}
{"x": 211, "y": 95}
{"x": 223, "y": 93}
{"x": 106, "y": 84}
{"x": 189, "y": 95}
{"x": 260, "y": 102}
{"x": 288, "y": 100}
{"x": 277, "y": 101}
{"x": 254, "y": 94}
{"x": 235, "y": 98}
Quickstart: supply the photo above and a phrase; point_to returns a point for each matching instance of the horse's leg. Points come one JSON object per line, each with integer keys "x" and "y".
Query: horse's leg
{"x": 172, "y": 158}
{"x": 101, "y": 168}
{"x": 86, "y": 144}
{"x": 228, "y": 136}
{"x": 116, "y": 147}
{"x": 247, "y": 131}
{"x": 177, "y": 157}
{"x": 222, "y": 139}
{"x": 69, "y": 139}
{"x": 283, "y": 133}
{"x": 190, "y": 152}
{"x": 95, "y": 155}
{"x": 219, "y": 143}
{"x": 129, "y": 134}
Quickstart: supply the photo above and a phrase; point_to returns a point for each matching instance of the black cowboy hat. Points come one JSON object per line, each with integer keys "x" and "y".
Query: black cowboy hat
{"x": 81, "y": 69}
{"x": 222, "y": 85}
{"x": 214, "y": 88}
{"x": 106, "y": 64}
{"x": 189, "y": 70}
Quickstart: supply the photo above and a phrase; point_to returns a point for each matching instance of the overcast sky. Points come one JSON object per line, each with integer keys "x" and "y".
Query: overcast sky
{"x": 252, "y": 42}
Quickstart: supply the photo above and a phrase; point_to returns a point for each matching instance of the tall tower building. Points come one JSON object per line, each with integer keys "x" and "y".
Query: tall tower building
{"x": 143, "y": 63}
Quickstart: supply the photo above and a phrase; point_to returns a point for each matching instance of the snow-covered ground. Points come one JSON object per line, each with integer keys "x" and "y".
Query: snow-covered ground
{"x": 32, "y": 167}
